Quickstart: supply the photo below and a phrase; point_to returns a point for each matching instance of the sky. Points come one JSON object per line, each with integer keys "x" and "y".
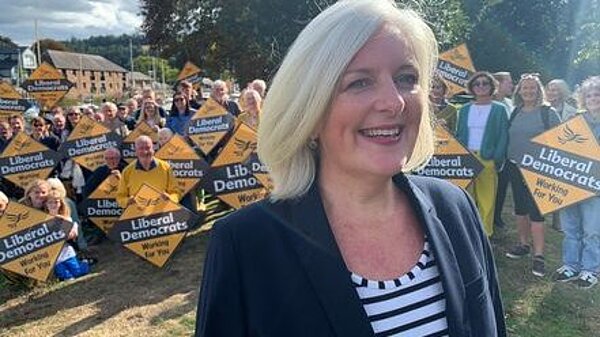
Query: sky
{"x": 63, "y": 19}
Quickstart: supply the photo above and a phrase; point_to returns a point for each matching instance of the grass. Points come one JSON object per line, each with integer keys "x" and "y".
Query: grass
{"x": 126, "y": 296}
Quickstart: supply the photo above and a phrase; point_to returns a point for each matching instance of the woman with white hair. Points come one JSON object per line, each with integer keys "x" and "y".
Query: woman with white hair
{"x": 581, "y": 222}
{"x": 558, "y": 93}
{"x": 350, "y": 244}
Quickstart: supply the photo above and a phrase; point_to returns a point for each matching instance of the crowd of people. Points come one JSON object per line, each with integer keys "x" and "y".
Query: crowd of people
{"x": 494, "y": 127}
{"x": 346, "y": 226}
{"x": 73, "y": 183}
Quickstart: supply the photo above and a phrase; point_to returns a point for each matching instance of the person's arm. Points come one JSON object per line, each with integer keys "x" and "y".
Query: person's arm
{"x": 172, "y": 187}
{"x": 489, "y": 268}
{"x": 123, "y": 191}
{"x": 502, "y": 140}
{"x": 220, "y": 307}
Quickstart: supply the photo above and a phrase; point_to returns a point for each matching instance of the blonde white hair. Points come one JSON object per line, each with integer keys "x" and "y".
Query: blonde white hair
{"x": 304, "y": 86}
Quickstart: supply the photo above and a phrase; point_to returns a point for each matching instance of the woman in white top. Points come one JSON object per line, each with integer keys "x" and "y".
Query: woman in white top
{"x": 557, "y": 93}
{"x": 483, "y": 128}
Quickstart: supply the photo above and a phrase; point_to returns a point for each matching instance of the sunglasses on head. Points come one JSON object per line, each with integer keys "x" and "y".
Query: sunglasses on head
{"x": 530, "y": 75}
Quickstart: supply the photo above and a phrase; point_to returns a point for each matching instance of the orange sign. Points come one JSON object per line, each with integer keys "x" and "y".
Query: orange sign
{"x": 30, "y": 241}
{"x": 229, "y": 179}
{"x": 128, "y": 145}
{"x": 191, "y": 73}
{"x": 562, "y": 165}
{"x": 25, "y": 159}
{"x": 451, "y": 160}
{"x": 153, "y": 226}
{"x": 88, "y": 141}
{"x": 11, "y": 101}
{"x": 209, "y": 125}
{"x": 455, "y": 67}
{"x": 188, "y": 167}
{"x": 101, "y": 206}
{"x": 47, "y": 85}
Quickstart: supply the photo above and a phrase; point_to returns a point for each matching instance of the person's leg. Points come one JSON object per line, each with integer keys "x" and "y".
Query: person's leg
{"x": 590, "y": 253}
{"x": 570, "y": 219}
{"x": 485, "y": 194}
{"x": 503, "y": 180}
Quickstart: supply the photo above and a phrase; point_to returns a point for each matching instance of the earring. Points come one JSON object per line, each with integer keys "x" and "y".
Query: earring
{"x": 313, "y": 144}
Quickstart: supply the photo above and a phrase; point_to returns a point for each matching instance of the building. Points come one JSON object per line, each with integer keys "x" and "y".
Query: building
{"x": 91, "y": 75}
{"x": 140, "y": 80}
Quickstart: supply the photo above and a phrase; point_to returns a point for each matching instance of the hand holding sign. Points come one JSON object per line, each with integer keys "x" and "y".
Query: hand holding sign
{"x": 562, "y": 165}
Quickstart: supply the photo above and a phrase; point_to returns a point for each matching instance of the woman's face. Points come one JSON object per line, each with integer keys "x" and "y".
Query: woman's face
{"x": 553, "y": 93}
{"x": 53, "y": 205}
{"x": 372, "y": 125}
{"x": 149, "y": 110}
{"x": 529, "y": 91}
{"x": 38, "y": 128}
{"x": 38, "y": 195}
{"x": 482, "y": 86}
{"x": 179, "y": 102}
{"x": 592, "y": 100}
{"x": 438, "y": 91}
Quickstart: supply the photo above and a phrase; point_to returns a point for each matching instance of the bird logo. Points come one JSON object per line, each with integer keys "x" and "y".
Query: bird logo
{"x": 110, "y": 189}
{"x": 570, "y": 136}
{"x": 21, "y": 144}
{"x": 142, "y": 202}
{"x": 15, "y": 218}
{"x": 243, "y": 146}
{"x": 172, "y": 149}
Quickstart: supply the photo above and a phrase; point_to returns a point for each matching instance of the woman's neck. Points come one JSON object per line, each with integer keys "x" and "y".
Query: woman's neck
{"x": 483, "y": 100}
{"x": 529, "y": 106}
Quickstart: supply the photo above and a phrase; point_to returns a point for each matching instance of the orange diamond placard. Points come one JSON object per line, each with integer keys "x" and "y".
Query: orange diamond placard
{"x": 47, "y": 85}
{"x": 561, "y": 166}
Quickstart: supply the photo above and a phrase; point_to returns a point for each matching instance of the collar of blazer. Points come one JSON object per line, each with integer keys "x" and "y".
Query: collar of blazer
{"x": 321, "y": 258}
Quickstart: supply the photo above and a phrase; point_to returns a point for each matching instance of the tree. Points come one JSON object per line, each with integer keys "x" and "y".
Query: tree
{"x": 50, "y": 44}
{"x": 144, "y": 65}
{"x": 250, "y": 37}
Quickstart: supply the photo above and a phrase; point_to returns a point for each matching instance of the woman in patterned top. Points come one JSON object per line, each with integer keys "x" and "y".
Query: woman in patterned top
{"x": 350, "y": 244}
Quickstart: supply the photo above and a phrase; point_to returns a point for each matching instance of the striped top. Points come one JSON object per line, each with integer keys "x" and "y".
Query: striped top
{"x": 412, "y": 305}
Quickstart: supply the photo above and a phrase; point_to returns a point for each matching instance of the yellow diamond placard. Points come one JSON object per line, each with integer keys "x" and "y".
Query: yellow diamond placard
{"x": 451, "y": 160}
{"x": 87, "y": 142}
{"x": 25, "y": 159}
{"x": 229, "y": 178}
{"x": 456, "y": 67}
{"x": 128, "y": 144}
{"x": 561, "y": 166}
{"x": 11, "y": 102}
{"x": 47, "y": 85}
{"x": 192, "y": 74}
{"x": 188, "y": 167}
{"x": 101, "y": 206}
{"x": 153, "y": 226}
{"x": 209, "y": 125}
{"x": 30, "y": 241}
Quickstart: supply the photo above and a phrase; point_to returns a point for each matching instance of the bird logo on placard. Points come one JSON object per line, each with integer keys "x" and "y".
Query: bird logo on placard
{"x": 21, "y": 145}
{"x": 110, "y": 188}
{"x": 243, "y": 146}
{"x": 142, "y": 202}
{"x": 86, "y": 127}
{"x": 172, "y": 149}
{"x": 570, "y": 136}
{"x": 14, "y": 219}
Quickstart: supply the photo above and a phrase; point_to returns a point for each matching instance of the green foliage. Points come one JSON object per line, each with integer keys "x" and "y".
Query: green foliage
{"x": 251, "y": 37}
{"x": 113, "y": 48}
{"x": 557, "y": 38}
{"x": 144, "y": 65}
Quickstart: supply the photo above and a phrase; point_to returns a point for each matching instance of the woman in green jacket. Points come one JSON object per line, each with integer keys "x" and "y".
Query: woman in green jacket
{"x": 483, "y": 128}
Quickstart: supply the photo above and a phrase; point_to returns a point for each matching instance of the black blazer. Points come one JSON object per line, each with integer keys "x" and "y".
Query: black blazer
{"x": 274, "y": 269}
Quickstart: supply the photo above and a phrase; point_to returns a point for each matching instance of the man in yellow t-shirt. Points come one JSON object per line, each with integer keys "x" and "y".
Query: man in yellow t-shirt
{"x": 149, "y": 170}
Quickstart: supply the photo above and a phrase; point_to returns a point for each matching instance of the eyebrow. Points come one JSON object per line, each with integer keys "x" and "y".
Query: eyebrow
{"x": 409, "y": 66}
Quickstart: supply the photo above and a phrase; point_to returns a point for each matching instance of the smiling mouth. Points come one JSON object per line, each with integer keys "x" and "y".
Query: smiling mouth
{"x": 391, "y": 133}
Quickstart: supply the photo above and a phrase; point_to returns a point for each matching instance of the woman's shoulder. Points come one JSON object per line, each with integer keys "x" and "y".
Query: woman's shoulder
{"x": 436, "y": 187}
{"x": 249, "y": 219}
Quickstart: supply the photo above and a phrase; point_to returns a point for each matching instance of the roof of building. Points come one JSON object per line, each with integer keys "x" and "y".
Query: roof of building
{"x": 67, "y": 60}
{"x": 137, "y": 76}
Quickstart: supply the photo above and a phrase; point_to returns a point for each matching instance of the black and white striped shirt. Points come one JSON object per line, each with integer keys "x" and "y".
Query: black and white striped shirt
{"x": 412, "y": 305}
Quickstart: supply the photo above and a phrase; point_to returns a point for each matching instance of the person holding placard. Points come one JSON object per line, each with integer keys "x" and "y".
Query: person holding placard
{"x": 558, "y": 94}
{"x": 40, "y": 133}
{"x": 5, "y": 134}
{"x": 251, "y": 108}
{"x": 581, "y": 222}
{"x": 146, "y": 169}
{"x": 350, "y": 244}
{"x": 150, "y": 114}
{"x": 180, "y": 114}
{"x": 531, "y": 116}
{"x": 220, "y": 93}
{"x": 444, "y": 112}
{"x": 483, "y": 128}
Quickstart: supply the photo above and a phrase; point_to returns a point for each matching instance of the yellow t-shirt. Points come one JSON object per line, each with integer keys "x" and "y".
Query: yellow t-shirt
{"x": 160, "y": 176}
